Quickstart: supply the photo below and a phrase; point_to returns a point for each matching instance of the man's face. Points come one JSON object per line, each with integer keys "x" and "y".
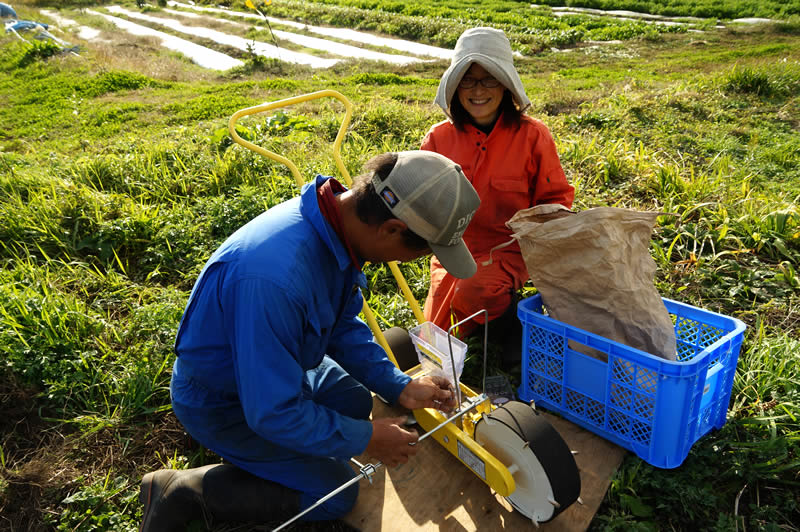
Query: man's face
{"x": 388, "y": 243}
{"x": 401, "y": 253}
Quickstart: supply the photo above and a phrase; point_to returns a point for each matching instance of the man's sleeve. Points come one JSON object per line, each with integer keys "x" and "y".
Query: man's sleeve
{"x": 353, "y": 347}
{"x": 266, "y": 328}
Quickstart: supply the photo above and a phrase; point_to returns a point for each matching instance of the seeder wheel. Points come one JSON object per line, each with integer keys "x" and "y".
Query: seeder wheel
{"x": 546, "y": 476}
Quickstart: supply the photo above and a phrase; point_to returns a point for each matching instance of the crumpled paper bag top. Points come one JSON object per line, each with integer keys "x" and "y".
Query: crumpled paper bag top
{"x": 595, "y": 272}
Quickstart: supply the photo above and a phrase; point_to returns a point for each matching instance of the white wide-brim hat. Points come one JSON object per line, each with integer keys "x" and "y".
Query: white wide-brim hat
{"x": 490, "y": 49}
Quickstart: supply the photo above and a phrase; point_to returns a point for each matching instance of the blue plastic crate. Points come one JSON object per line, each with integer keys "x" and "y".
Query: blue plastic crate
{"x": 651, "y": 406}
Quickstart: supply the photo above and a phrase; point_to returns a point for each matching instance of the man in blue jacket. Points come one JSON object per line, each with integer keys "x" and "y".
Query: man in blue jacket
{"x": 274, "y": 368}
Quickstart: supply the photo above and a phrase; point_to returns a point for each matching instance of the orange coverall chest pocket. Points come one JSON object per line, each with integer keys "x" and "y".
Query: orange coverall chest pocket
{"x": 508, "y": 195}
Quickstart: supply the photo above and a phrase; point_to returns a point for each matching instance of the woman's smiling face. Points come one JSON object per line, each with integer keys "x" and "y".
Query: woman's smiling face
{"x": 482, "y": 103}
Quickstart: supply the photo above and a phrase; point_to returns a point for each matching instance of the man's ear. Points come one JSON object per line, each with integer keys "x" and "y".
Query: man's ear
{"x": 392, "y": 228}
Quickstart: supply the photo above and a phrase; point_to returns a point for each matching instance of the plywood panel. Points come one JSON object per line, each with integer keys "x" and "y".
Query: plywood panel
{"x": 434, "y": 491}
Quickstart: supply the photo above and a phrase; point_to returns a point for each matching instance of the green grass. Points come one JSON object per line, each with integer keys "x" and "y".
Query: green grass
{"x": 116, "y": 186}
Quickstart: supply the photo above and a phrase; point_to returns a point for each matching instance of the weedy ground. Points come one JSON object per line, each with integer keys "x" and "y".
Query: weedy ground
{"x": 118, "y": 179}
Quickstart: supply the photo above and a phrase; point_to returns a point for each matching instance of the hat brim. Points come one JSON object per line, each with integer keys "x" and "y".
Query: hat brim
{"x": 456, "y": 259}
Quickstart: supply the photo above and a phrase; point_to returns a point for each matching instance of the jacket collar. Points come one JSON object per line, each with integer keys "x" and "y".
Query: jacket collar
{"x": 309, "y": 208}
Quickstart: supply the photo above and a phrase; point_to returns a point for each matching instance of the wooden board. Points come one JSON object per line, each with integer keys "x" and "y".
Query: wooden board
{"x": 434, "y": 491}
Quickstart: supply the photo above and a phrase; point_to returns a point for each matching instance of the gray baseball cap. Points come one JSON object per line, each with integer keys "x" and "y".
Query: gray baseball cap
{"x": 434, "y": 198}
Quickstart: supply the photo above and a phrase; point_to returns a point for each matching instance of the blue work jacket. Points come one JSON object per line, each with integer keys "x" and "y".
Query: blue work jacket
{"x": 278, "y": 295}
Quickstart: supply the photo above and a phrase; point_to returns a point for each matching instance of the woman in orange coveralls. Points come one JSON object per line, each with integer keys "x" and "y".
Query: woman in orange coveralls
{"x": 510, "y": 159}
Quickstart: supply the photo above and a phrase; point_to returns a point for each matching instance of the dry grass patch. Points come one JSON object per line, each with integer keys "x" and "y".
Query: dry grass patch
{"x": 147, "y": 56}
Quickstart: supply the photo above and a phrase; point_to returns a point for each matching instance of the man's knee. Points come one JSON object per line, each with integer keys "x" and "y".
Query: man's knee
{"x": 342, "y": 503}
{"x": 353, "y": 400}
{"x": 337, "y": 506}
{"x": 362, "y": 404}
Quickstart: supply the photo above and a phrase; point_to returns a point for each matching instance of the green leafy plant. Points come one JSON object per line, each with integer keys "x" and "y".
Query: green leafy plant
{"x": 23, "y": 54}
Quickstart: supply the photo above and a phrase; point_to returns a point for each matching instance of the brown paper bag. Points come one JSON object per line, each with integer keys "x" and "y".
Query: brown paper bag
{"x": 595, "y": 272}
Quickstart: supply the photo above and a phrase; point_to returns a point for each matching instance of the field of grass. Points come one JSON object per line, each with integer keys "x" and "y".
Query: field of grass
{"x": 530, "y": 26}
{"x": 118, "y": 180}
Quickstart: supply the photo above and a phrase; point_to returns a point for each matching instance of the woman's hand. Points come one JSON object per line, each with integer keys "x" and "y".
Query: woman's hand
{"x": 428, "y": 392}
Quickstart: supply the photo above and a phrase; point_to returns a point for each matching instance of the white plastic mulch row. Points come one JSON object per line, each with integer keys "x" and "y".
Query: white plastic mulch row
{"x": 337, "y": 33}
{"x": 647, "y": 17}
{"x": 260, "y": 48}
{"x": 201, "y": 55}
{"x": 209, "y": 58}
{"x": 84, "y": 32}
{"x": 333, "y": 47}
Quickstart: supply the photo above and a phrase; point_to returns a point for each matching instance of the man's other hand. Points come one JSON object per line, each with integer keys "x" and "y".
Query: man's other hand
{"x": 428, "y": 392}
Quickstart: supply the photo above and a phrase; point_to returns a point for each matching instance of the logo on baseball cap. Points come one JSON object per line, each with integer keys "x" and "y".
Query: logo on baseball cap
{"x": 431, "y": 194}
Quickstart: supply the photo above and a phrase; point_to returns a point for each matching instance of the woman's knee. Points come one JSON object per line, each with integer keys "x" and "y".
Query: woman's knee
{"x": 495, "y": 299}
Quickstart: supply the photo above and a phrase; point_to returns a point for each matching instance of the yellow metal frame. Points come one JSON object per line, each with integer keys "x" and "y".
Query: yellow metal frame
{"x": 496, "y": 475}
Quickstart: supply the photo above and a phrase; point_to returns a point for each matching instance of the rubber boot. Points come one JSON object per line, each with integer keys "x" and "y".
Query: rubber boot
{"x": 172, "y": 498}
{"x": 232, "y": 494}
{"x": 215, "y": 493}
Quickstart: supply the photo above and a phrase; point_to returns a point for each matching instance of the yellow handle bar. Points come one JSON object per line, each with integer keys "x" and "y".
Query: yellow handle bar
{"x": 337, "y": 144}
{"x": 348, "y": 113}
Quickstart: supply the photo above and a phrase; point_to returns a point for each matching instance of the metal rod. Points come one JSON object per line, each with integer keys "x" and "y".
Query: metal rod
{"x": 475, "y": 401}
{"x": 450, "y": 345}
{"x": 485, "y": 347}
{"x": 366, "y": 471}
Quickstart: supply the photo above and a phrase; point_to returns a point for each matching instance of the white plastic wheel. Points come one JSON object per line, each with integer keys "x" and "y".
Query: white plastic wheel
{"x": 546, "y": 476}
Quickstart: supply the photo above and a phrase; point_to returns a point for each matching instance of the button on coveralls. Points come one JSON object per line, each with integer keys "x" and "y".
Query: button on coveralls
{"x": 511, "y": 169}
{"x": 274, "y": 367}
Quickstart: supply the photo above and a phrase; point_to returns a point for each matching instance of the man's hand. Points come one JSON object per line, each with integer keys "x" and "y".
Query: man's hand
{"x": 390, "y": 442}
{"x": 428, "y": 392}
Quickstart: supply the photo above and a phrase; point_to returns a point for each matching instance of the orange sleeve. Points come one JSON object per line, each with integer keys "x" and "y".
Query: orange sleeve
{"x": 549, "y": 184}
{"x": 428, "y": 143}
